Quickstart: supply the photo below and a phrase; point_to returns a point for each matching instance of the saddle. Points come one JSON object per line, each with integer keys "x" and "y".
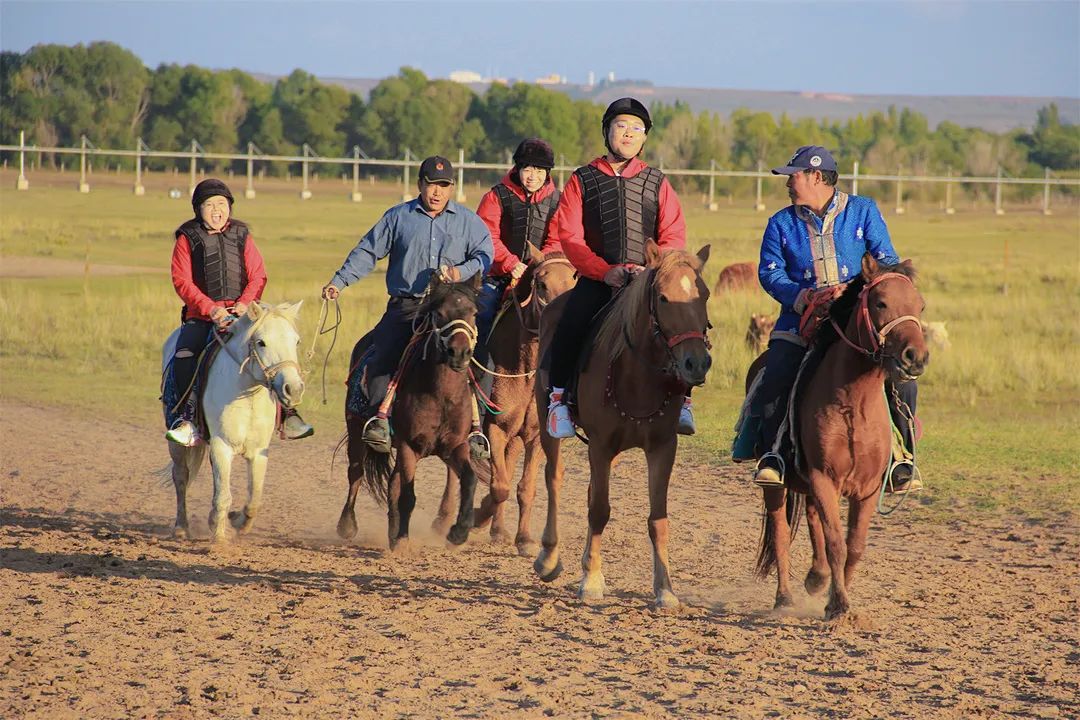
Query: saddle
{"x": 570, "y": 394}
{"x": 173, "y": 398}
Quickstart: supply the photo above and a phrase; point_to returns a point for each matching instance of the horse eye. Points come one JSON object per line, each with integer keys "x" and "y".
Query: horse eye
{"x": 880, "y": 305}
{"x": 261, "y": 343}
{"x": 663, "y": 299}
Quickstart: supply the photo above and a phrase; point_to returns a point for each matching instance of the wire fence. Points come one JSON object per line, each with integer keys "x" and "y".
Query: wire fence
{"x": 308, "y": 161}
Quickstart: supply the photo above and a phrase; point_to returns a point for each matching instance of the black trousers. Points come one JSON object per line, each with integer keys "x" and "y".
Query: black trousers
{"x": 585, "y": 300}
{"x": 194, "y": 337}
{"x": 390, "y": 337}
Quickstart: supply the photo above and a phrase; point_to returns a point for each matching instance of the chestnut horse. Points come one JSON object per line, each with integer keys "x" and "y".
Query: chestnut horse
{"x": 431, "y": 415}
{"x": 650, "y": 350}
{"x": 844, "y": 429}
{"x": 514, "y": 345}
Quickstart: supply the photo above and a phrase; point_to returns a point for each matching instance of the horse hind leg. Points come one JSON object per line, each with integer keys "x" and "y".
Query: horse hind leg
{"x": 526, "y": 493}
{"x": 460, "y": 460}
{"x": 346, "y": 525}
{"x": 444, "y": 517}
{"x": 828, "y": 502}
{"x": 817, "y": 577}
{"x": 548, "y": 566}
{"x": 500, "y": 487}
{"x": 185, "y": 468}
{"x": 243, "y": 520}
{"x": 777, "y": 540}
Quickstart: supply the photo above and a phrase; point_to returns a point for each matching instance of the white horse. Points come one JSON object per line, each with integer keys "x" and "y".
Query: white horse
{"x": 256, "y": 365}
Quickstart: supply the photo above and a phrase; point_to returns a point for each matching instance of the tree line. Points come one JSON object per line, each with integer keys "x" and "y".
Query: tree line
{"x": 58, "y": 93}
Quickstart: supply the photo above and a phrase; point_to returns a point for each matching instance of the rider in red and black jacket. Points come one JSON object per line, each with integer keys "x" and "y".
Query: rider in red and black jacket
{"x": 609, "y": 209}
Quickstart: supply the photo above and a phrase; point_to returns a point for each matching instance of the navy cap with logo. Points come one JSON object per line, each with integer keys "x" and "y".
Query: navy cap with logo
{"x": 437, "y": 169}
{"x": 808, "y": 157}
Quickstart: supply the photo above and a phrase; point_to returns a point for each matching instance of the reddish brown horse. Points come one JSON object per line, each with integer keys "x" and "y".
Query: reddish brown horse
{"x": 432, "y": 415}
{"x": 844, "y": 429}
{"x": 514, "y": 347}
{"x": 650, "y": 349}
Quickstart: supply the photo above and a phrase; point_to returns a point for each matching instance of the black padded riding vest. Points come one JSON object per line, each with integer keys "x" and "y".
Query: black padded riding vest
{"x": 217, "y": 260}
{"x": 523, "y": 221}
{"x": 619, "y": 214}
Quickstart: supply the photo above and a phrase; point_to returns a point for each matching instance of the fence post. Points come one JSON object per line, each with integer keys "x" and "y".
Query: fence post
{"x": 712, "y": 187}
{"x": 405, "y": 194}
{"x": 84, "y": 187}
{"x": 305, "y": 193}
{"x": 249, "y": 191}
{"x": 1046, "y": 192}
{"x": 949, "y": 209}
{"x": 191, "y": 183}
{"x": 139, "y": 189}
{"x": 899, "y": 191}
{"x": 855, "y": 178}
{"x": 998, "y": 210}
{"x": 562, "y": 171}
{"x": 22, "y": 183}
{"x": 758, "y": 204}
{"x": 461, "y": 175}
{"x": 356, "y": 195}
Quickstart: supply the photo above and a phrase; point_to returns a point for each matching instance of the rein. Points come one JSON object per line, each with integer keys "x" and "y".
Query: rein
{"x": 876, "y": 353}
{"x": 269, "y": 372}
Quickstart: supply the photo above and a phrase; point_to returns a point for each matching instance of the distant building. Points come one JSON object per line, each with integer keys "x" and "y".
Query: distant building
{"x": 592, "y": 78}
{"x": 611, "y": 76}
{"x": 465, "y": 76}
{"x": 552, "y": 79}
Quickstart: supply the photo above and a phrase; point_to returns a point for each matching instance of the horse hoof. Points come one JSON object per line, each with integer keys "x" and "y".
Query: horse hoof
{"x": 815, "y": 582}
{"x": 666, "y": 600}
{"x": 400, "y": 546}
{"x": 440, "y": 525}
{"x": 835, "y": 609}
{"x": 180, "y": 533}
{"x": 478, "y": 525}
{"x": 527, "y": 548}
{"x": 501, "y": 538}
{"x": 458, "y": 535}
{"x": 592, "y": 589}
{"x": 240, "y": 521}
{"x": 346, "y": 527}
{"x": 545, "y": 569}
{"x": 783, "y": 602}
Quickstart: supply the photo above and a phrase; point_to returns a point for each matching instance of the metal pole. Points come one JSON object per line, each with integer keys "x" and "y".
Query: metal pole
{"x": 139, "y": 189}
{"x": 305, "y": 193}
{"x": 949, "y": 209}
{"x": 998, "y": 210}
{"x": 712, "y": 186}
{"x": 84, "y": 187}
{"x": 249, "y": 191}
{"x": 191, "y": 183}
{"x": 899, "y": 192}
{"x": 461, "y": 175}
{"x": 1046, "y": 193}
{"x": 405, "y": 194}
{"x": 22, "y": 183}
{"x": 758, "y": 204}
{"x": 855, "y": 178}
{"x": 356, "y": 196}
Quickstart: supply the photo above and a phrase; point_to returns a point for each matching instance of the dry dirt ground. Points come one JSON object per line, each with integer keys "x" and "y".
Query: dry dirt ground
{"x": 104, "y": 615}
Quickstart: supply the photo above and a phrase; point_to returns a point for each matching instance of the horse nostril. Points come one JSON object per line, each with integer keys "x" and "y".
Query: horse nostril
{"x": 909, "y": 356}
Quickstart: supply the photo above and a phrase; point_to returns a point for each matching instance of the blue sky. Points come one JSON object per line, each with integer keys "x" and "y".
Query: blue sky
{"x": 976, "y": 47}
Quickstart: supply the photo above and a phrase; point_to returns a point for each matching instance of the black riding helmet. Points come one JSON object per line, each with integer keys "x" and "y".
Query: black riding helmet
{"x": 534, "y": 152}
{"x": 625, "y": 106}
{"x": 208, "y": 188}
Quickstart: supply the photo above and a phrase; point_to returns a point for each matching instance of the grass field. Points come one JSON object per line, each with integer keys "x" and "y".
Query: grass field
{"x": 1000, "y": 408}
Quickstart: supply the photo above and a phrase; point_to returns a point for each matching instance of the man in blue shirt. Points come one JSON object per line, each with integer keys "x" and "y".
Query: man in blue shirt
{"x": 810, "y": 251}
{"x": 428, "y": 234}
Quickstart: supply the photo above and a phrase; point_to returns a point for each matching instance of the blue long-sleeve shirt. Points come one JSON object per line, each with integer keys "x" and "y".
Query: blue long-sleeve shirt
{"x": 418, "y": 245}
{"x": 801, "y": 250}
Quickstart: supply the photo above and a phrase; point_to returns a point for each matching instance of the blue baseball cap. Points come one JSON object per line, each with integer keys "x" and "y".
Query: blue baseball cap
{"x": 808, "y": 157}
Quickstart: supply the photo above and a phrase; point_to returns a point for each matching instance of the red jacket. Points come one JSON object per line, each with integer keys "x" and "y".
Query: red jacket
{"x": 490, "y": 211}
{"x": 571, "y": 230}
{"x": 198, "y": 304}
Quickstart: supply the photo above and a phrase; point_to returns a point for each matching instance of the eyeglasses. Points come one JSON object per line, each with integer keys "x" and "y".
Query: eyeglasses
{"x": 623, "y": 126}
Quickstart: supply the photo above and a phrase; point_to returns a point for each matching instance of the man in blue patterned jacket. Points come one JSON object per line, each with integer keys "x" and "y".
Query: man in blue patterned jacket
{"x": 810, "y": 251}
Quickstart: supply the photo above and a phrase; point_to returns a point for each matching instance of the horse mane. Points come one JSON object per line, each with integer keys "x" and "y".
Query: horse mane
{"x": 633, "y": 300}
{"x": 437, "y": 294}
{"x": 841, "y": 310}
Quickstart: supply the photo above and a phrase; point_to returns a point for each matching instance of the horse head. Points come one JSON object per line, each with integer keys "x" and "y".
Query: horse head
{"x": 887, "y": 324}
{"x": 272, "y": 340}
{"x": 677, "y": 306}
{"x": 546, "y": 278}
{"x": 451, "y": 309}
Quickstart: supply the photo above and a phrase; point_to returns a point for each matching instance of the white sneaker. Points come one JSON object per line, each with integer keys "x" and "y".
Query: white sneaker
{"x": 686, "y": 419}
{"x": 559, "y": 424}
{"x": 183, "y": 432}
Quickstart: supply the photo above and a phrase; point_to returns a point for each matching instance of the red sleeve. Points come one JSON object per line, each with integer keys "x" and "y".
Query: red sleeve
{"x": 490, "y": 211}
{"x": 198, "y": 303}
{"x": 671, "y": 223}
{"x": 572, "y": 233}
{"x": 256, "y": 273}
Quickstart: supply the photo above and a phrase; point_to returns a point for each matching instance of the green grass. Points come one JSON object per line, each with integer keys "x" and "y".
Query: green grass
{"x": 1000, "y": 408}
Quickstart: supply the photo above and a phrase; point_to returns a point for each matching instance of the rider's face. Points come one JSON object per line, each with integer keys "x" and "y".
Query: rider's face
{"x": 215, "y": 212}
{"x": 435, "y": 195}
{"x": 532, "y": 178}
{"x": 804, "y": 187}
{"x": 626, "y": 135}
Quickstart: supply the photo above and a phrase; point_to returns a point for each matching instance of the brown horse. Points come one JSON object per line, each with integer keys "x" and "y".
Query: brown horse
{"x": 650, "y": 349}
{"x": 844, "y": 429}
{"x": 432, "y": 415}
{"x": 514, "y": 347}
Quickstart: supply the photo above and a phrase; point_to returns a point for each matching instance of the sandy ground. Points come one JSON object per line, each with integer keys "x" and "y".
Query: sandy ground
{"x": 42, "y": 267}
{"x": 104, "y": 615}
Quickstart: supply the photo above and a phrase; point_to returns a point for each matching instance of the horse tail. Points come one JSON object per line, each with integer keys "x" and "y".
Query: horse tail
{"x": 484, "y": 471}
{"x": 164, "y": 475}
{"x": 766, "y": 559}
{"x": 376, "y": 474}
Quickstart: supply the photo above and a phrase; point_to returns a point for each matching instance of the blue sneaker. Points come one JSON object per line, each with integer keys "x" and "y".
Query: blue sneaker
{"x": 559, "y": 423}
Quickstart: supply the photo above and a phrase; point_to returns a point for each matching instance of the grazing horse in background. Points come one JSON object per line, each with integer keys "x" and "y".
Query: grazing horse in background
{"x": 514, "y": 346}
{"x": 844, "y": 429}
{"x": 255, "y": 366}
{"x": 431, "y": 415}
{"x": 757, "y": 334}
{"x": 649, "y": 351}
{"x": 737, "y": 276}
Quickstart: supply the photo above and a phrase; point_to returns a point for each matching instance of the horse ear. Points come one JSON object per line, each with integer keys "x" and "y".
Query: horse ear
{"x": 476, "y": 281}
{"x": 703, "y": 254}
{"x": 255, "y": 311}
{"x": 652, "y": 253}
{"x": 870, "y": 267}
{"x": 291, "y": 311}
{"x": 435, "y": 281}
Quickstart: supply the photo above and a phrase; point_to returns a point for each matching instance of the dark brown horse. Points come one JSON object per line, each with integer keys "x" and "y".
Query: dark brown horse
{"x": 844, "y": 429}
{"x": 432, "y": 415}
{"x": 650, "y": 349}
{"x": 514, "y": 344}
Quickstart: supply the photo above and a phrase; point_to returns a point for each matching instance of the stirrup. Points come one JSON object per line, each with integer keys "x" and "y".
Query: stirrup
{"x": 913, "y": 484}
{"x": 479, "y": 445}
{"x": 761, "y": 465}
{"x": 379, "y": 446}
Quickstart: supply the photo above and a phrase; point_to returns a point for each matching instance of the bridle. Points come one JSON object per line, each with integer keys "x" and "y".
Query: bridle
{"x": 520, "y": 306}
{"x": 669, "y": 343}
{"x": 865, "y": 325}
{"x": 269, "y": 372}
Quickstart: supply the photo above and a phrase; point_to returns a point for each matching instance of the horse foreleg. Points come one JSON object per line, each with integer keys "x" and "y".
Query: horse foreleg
{"x": 221, "y": 457}
{"x": 511, "y": 452}
{"x": 185, "y": 468}
{"x": 243, "y": 521}
{"x": 776, "y": 525}
{"x": 491, "y": 506}
{"x": 828, "y": 503}
{"x": 817, "y": 577}
{"x": 660, "y": 459}
{"x": 401, "y": 498}
{"x": 547, "y": 565}
{"x": 441, "y": 523}
{"x": 860, "y": 512}
{"x": 592, "y": 579}
{"x": 526, "y": 493}
{"x": 346, "y": 525}
{"x": 460, "y": 461}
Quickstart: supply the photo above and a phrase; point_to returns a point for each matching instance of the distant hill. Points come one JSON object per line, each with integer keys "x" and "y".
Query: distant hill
{"x": 996, "y": 114}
